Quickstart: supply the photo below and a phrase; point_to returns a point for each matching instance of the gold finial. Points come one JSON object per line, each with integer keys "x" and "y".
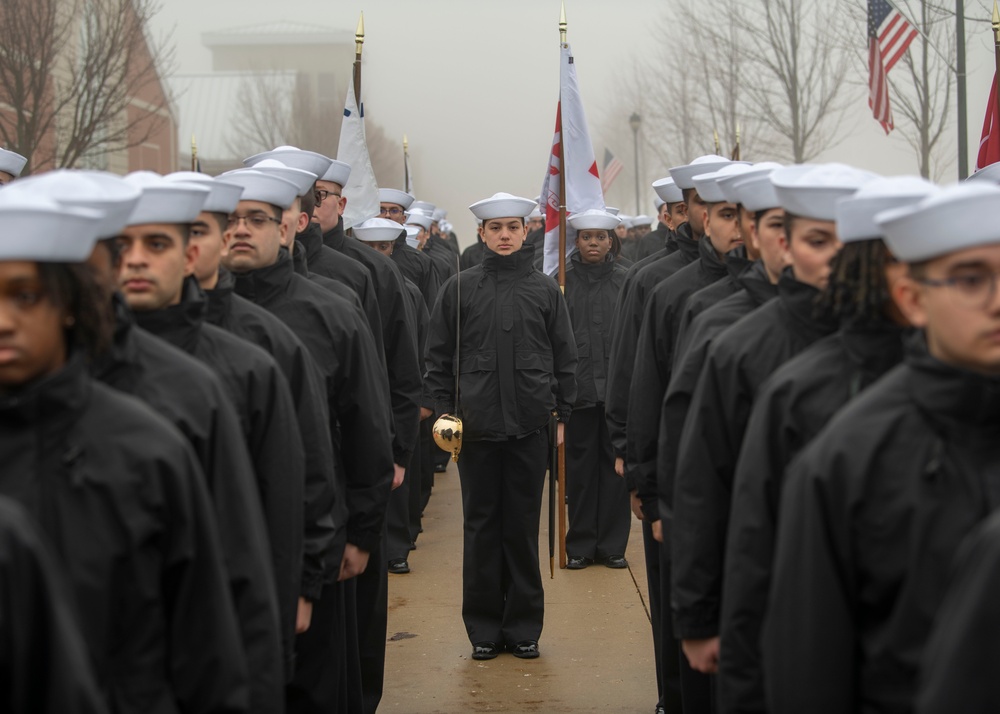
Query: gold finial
{"x": 406, "y": 144}
{"x": 562, "y": 22}
{"x": 996, "y": 23}
{"x": 715, "y": 133}
{"x": 359, "y": 34}
{"x": 737, "y": 133}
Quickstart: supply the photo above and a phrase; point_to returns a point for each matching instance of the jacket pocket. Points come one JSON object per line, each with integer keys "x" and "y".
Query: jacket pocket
{"x": 534, "y": 386}
{"x": 478, "y": 391}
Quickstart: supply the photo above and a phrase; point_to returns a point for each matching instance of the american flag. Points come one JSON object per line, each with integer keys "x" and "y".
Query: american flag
{"x": 889, "y": 36}
{"x": 612, "y": 167}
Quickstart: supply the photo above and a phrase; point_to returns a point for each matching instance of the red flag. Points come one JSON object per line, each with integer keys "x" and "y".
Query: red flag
{"x": 989, "y": 144}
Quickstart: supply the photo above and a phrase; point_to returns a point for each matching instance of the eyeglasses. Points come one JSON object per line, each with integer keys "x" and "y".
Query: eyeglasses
{"x": 974, "y": 289}
{"x": 320, "y": 195}
{"x": 394, "y": 211}
{"x": 256, "y": 221}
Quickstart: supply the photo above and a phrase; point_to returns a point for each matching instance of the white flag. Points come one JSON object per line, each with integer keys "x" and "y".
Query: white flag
{"x": 361, "y": 190}
{"x": 583, "y": 185}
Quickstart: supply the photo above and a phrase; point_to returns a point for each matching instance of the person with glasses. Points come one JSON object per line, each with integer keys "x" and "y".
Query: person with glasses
{"x": 875, "y": 508}
{"x": 357, "y": 397}
{"x": 793, "y": 406}
{"x": 412, "y": 263}
{"x": 598, "y": 500}
{"x": 156, "y": 277}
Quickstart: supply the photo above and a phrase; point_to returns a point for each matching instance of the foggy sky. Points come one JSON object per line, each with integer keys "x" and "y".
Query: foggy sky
{"x": 474, "y": 83}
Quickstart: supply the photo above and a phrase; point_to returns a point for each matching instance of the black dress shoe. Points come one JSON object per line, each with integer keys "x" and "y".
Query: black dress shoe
{"x": 399, "y": 567}
{"x": 577, "y": 562}
{"x": 485, "y": 650}
{"x": 659, "y": 710}
{"x": 616, "y": 561}
{"x": 525, "y": 649}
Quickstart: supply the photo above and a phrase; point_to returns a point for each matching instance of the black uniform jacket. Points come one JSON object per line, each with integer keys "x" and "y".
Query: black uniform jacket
{"x": 44, "y": 663}
{"x": 654, "y": 357}
{"x": 324, "y": 260}
{"x": 194, "y": 399}
{"x": 441, "y": 256}
{"x": 792, "y": 407}
{"x": 259, "y": 391}
{"x": 958, "y": 671}
{"x": 736, "y": 264}
{"x": 517, "y": 352}
{"x": 118, "y": 494}
{"x": 591, "y": 294}
{"x": 872, "y": 515}
{"x": 737, "y": 364}
{"x": 628, "y": 321}
{"x": 689, "y": 357}
{"x": 418, "y": 268}
{"x": 341, "y": 344}
{"x": 255, "y": 324}
{"x": 652, "y": 242}
{"x": 301, "y": 264}
{"x": 473, "y": 255}
{"x": 398, "y": 338}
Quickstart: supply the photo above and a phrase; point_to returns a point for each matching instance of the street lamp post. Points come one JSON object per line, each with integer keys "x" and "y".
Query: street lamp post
{"x": 634, "y": 121}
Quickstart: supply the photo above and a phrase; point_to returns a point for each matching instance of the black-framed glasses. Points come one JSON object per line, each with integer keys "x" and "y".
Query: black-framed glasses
{"x": 320, "y": 195}
{"x": 394, "y": 211}
{"x": 256, "y": 221}
{"x": 972, "y": 288}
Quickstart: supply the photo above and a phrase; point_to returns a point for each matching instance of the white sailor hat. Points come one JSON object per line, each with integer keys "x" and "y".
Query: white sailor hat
{"x": 224, "y": 196}
{"x": 295, "y": 158}
{"x": 594, "y": 219}
{"x": 812, "y": 190}
{"x": 303, "y": 180}
{"x": 856, "y": 213}
{"x": 37, "y": 227}
{"x": 376, "y": 230}
{"x": 395, "y": 196}
{"x": 683, "y": 176}
{"x": 440, "y": 214}
{"x": 338, "y": 173}
{"x": 612, "y": 210}
{"x": 264, "y": 187}
{"x": 411, "y": 236}
{"x": 536, "y": 212}
{"x": 708, "y": 186}
{"x": 446, "y": 227}
{"x": 111, "y": 196}
{"x": 502, "y": 205}
{"x": 164, "y": 201}
{"x": 424, "y": 207}
{"x": 754, "y": 190}
{"x": 950, "y": 219}
{"x": 668, "y": 190}
{"x": 12, "y": 163}
{"x": 658, "y": 203}
{"x": 726, "y": 183}
{"x": 626, "y": 220}
{"x": 419, "y": 218}
{"x": 642, "y": 220}
{"x": 990, "y": 172}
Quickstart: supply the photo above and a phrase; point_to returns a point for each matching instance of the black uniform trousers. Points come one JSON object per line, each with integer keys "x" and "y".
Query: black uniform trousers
{"x": 502, "y": 481}
{"x": 599, "y": 512}
{"x": 397, "y": 520}
{"x": 428, "y": 453}
{"x": 666, "y": 650}
{"x": 415, "y": 476}
{"x": 327, "y": 669}
{"x": 372, "y": 609}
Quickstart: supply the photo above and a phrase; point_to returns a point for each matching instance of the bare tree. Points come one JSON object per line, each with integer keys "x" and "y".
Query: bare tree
{"x": 273, "y": 111}
{"x": 796, "y": 71}
{"x": 79, "y": 78}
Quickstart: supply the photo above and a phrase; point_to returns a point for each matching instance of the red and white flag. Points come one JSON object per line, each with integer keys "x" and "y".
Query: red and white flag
{"x": 889, "y": 36}
{"x": 989, "y": 144}
{"x": 612, "y": 167}
{"x": 583, "y": 184}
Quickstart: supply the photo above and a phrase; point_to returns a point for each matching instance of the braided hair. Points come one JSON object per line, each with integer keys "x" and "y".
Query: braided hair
{"x": 858, "y": 291}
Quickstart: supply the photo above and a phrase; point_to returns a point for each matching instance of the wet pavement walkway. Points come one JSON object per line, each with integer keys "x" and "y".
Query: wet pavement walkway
{"x": 597, "y": 652}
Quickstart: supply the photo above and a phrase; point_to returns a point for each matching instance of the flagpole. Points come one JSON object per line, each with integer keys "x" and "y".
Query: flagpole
{"x": 406, "y": 164}
{"x": 359, "y": 41}
{"x": 996, "y": 51}
{"x": 194, "y": 154}
{"x": 561, "y": 501}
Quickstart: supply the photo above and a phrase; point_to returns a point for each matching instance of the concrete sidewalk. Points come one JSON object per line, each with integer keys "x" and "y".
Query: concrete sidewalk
{"x": 597, "y": 648}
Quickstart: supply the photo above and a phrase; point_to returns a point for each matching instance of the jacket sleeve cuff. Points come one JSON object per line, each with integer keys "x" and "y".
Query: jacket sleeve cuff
{"x": 311, "y": 586}
{"x": 401, "y": 456}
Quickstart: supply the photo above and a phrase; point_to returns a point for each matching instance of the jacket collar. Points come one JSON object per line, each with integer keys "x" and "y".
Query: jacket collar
{"x": 179, "y": 324}
{"x": 799, "y": 300}
{"x": 335, "y": 237}
{"x": 686, "y": 242}
{"x": 54, "y": 399}
{"x": 942, "y": 390}
{"x": 593, "y": 272}
{"x": 311, "y": 240}
{"x": 264, "y": 284}
{"x": 220, "y": 298}
{"x": 523, "y": 261}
